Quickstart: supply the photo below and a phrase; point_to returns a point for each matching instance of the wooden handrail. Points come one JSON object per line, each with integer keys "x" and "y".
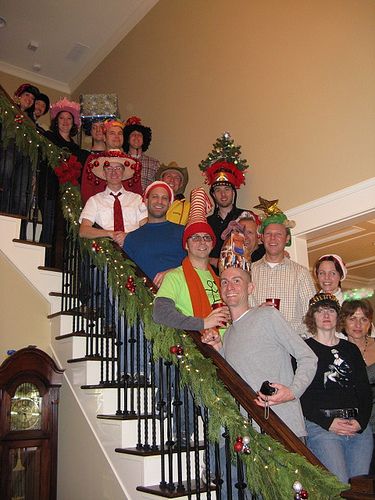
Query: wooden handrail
{"x": 242, "y": 392}
{"x": 245, "y": 395}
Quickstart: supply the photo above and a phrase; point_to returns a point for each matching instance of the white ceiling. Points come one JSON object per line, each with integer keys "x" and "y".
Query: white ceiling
{"x": 73, "y": 37}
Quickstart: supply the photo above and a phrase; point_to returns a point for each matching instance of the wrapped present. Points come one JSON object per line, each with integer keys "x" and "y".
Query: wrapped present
{"x": 97, "y": 107}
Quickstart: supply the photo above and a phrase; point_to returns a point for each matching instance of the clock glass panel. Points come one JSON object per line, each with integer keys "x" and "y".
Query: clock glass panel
{"x": 26, "y": 408}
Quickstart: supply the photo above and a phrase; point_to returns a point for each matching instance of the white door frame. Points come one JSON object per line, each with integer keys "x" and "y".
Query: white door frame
{"x": 354, "y": 202}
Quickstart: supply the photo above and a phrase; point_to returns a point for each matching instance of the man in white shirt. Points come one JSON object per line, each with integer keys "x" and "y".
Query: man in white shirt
{"x": 113, "y": 167}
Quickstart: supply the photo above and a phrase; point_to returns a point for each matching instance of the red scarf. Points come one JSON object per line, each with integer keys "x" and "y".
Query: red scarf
{"x": 198, "y": 296}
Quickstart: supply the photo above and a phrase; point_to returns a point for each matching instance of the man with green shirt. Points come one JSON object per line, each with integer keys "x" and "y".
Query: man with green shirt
{"x": 187, "y": 293}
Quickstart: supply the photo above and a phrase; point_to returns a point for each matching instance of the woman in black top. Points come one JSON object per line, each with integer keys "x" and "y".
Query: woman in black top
{"x": 337, "y": 404}
{"x": 65, "y": 122}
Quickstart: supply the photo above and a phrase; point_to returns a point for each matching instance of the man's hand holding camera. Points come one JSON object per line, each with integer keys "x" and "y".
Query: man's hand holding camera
{"x": 274, "y": 394}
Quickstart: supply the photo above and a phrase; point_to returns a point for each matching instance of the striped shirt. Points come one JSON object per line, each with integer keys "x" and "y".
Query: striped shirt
{"x": 288, "y": 281}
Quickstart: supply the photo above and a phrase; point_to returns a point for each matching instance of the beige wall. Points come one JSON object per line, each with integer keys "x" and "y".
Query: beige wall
{"x": 83, "y": 471}
{"x": 23, "y": 312}
{"x": 292, "y": 80}
{"x": 11, "y": 83}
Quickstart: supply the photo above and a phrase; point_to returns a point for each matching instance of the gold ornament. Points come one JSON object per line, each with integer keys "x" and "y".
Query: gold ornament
{"x": 269, "y": 207}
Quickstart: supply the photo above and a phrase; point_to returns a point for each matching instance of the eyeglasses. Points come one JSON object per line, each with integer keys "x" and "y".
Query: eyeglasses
{"x": 197, "y": 237}
{"x": 113, "y": 168}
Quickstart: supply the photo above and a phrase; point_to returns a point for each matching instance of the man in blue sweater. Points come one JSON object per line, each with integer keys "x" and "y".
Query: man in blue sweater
{"x": 156, "y": 247}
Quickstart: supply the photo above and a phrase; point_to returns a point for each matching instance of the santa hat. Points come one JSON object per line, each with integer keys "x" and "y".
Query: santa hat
{"x": 200, "y": 205}
{"x": 65, "y": 105}
{"x": 157, "y": 184}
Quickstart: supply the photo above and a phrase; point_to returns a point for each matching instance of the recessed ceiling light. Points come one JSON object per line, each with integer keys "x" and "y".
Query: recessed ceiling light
{"x": 3, "y": 22}
{"x": 37, "y": 67}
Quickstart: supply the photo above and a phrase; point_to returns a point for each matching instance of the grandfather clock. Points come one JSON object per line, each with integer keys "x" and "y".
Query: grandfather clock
{"x": 29, "y": 395}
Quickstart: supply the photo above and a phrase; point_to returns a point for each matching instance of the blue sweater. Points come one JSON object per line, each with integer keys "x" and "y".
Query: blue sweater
{"x": 156, "y": 247}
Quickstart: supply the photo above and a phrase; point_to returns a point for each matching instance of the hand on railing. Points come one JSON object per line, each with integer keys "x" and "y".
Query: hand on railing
{"x": 118, "y": 237}
{"x": 212, "y": 337}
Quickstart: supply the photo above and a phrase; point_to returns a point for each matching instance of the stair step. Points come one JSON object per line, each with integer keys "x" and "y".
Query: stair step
{"x": 123, "y": 417}
{"x": 80, "y": 333}
{"x": 151, "y": 453}
{"x": 33, "y": 243}
{"x": 167, "y": 493}
{"x": 51, "y": 269}
{"x": 65, "y": 295}
{"x": 90, "y": 358}
{"x": 14, "y": 216}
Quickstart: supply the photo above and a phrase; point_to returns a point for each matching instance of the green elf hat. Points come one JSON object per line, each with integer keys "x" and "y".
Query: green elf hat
{"x": 273, "y": 215}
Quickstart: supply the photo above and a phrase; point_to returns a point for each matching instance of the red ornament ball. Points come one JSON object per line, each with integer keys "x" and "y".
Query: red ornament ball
{"x": 238, "y": 446}
{"x": 304, "y": 494}
{"x": 173, "y": 349}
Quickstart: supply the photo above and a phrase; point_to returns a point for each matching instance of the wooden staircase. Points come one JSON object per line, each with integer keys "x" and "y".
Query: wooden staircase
{"x": 116, "y": 435}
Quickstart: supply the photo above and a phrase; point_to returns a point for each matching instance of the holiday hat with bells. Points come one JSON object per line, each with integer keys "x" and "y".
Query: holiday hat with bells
{"x": 71, "y": 107}
{"x": 173, "y": 167}
{"x": 97, "y": 162}
{"x": 134, "y": 124}
{"x": 223, "y": 166}
{"x": 273, "y": 215}
{"x": 200, "y": 206}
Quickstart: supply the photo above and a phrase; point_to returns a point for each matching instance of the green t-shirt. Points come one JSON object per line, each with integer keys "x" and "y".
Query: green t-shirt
{"x": 174, "y": 287}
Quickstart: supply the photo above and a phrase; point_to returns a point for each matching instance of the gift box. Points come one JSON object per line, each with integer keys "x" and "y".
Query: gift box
{"x": 97, "y": 107}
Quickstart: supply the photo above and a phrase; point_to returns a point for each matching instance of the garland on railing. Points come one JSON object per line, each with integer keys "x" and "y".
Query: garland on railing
{"x": 271, "y": 470}
{"x": 17, "y": 126}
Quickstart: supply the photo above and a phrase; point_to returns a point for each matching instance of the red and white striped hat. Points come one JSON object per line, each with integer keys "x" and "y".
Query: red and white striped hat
{"x": 200, "y": 205}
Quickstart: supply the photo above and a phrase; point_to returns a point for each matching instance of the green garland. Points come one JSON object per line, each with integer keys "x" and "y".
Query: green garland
{"x": 270, "y": 469}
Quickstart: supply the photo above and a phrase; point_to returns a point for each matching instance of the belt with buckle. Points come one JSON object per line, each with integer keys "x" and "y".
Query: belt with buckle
{"x": 340, "y": 412}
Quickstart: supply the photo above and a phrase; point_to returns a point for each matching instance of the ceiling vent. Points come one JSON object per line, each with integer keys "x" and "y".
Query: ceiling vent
{"x": 77, "y": 52}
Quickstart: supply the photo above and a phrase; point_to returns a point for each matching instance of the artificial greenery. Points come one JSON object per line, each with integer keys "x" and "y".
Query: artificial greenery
{"x": 224, "y": 149}
{"x": 270, "y": 469}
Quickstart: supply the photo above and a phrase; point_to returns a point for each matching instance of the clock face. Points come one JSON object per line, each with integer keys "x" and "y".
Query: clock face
{"x": 25, "y": 410}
